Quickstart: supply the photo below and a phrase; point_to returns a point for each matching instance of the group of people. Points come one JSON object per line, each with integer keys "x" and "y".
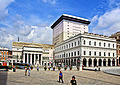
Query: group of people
{"x": 72, "y": 82}
{"x": 27, "y": 70}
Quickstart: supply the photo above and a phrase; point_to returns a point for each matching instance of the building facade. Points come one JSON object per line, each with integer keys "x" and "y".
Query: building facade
{"x": 75, "y": 46}
{"x": 67, "y": 26}
{"x": 117, "y": 37}
{"x": 34, "y": 54}
{"x": 88, "y": 48}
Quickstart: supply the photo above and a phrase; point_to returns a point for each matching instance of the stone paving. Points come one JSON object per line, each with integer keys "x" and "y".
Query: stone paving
{"x": 51, "y": 77}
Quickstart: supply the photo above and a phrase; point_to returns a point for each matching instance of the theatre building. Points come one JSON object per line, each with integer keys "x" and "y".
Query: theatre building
{"x": 75, "y": 45}
{"x": 32, "y": 53}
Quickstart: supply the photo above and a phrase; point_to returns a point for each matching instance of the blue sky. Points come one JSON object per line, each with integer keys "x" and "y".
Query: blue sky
{"x": 31, "y": 19}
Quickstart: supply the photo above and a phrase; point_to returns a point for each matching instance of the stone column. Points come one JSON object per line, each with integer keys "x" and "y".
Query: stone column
{"x": 115, "y": 62}
{"x": 86, "y": 62}
{"x": 27, "y": 58}
{"x": 37, "y": 60}
{"x": 102, "y": 62}
{"x": 97, "y": 62}
{"x": 106, "y": 62}
{"x": 41, "y": 60}
{"x": 34, "y": 59}
{"x": 92, "y": 62}
{"x": 111, "y": 62}
{"x": 23, "y": 57}
{"x": 31, "y": 59}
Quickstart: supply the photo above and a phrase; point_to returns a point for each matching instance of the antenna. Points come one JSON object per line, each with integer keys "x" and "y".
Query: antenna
{"x": 18, "y": 38}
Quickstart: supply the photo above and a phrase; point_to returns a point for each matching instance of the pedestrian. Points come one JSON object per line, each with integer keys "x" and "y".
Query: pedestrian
{"x": 29, "y": 69}
{"x": 73, "y": 81}
{"x": 25, "y": 71}
{"x": 37, "y": 68}
{"x": 61, "y": 77}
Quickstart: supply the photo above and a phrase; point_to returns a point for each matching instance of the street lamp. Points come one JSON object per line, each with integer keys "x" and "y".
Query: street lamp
{"x": 80, "y": 53}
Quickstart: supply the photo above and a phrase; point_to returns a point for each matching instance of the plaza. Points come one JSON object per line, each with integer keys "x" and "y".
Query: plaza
{"x": 51, "y": 78}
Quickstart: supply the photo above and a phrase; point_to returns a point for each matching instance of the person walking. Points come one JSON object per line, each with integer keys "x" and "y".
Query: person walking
{"x": 73, "y": 81}
{"x": 25, "y": 71}
{"x": 61, "y": 77}
{"x": 37, "y": 68}
{"x": 29, "y": 69}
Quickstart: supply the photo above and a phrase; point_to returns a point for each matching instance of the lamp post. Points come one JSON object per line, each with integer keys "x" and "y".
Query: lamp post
{"x": 80, "y": 53}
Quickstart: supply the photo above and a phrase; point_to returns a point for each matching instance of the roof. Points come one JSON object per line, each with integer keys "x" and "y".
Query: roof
{"x": 25, "y": 44}
{"x": 70, "y": 18}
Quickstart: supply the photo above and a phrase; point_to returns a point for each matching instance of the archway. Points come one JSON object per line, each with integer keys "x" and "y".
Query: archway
{"x": 66, "y": 62}
{"x": 104, "y": 62}
{"x": 84, "y": 62}
{"x": 113, "y": 62}
{"x": 119, "y": 60}
{"x": 74, "y": 62}
{"x": 78, "y": 62}
{"x": 95, "y": 62}
{"x": 71, "y": 62}
{"x": 100, "y": 62}
{"x": 109, "y": 62}
{"x": 90, "y": 62}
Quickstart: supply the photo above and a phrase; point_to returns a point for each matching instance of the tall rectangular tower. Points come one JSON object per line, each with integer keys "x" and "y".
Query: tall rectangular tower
{"x": 68, "y": 26}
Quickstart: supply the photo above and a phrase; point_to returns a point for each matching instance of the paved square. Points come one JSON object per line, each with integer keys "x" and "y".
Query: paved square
{"x": 51, "y": 78}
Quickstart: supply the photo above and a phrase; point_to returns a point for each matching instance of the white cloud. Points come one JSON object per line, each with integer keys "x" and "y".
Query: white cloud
{"x": 109, "y": 22}
{"x": 38, "y": 33}
{"x": 3, "y": 8}
{"x": 49, "y": 1}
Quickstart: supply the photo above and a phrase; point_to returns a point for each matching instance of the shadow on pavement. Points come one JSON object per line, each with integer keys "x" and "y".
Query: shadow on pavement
{"x": 3, "y": 77}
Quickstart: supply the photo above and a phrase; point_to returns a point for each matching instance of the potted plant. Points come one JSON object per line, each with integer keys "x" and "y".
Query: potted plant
{"x": 70, "y": 67}
{"x": 59, "y": 68}
{"x": 10, "y": 67}
{"x": 65, "y": 68}
{"x": 53, "y": 68}
{"x": 45, "y": 68}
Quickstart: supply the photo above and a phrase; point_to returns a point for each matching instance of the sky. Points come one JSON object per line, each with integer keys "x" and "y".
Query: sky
{"x": 30, "y": 20}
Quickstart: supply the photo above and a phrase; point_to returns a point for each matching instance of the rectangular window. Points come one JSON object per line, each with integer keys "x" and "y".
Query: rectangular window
{"x": 74, "y": 53}
{"x": 69, "y": 45}
{"x": 95, "y": 53}
{"x": 84, "y": 52}
{"x": 72, "y": 44}
{"x": 104, "y": 54}
{"x": 99, "y": 53}
{"x": 78, "y": 52}
{"x": 75, "y": 43}
{"x": 89, "y": 42}
{"x": 113, "y": 45}
{"x": 89, "y": 52}
{"x": 113, "y": 54}
{"x": 99, "y": 43}
{"x": 109, "y": 45}
{"x": 78, "y": 42}
{"x": 94, "y": 43}
{"x": 108, "y": 54}
{"x": 71, "y": 53}
{"x": 104, "y": 44}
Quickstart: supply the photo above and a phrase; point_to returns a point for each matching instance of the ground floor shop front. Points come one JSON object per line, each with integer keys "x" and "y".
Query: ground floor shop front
{"x": 86, "y": 62}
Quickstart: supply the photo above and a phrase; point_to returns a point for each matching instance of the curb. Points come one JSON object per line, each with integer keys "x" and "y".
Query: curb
{"x": 111, "y": 73}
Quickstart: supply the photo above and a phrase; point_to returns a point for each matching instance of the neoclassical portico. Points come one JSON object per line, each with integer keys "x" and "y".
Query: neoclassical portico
{"x": 32, "y": 55}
